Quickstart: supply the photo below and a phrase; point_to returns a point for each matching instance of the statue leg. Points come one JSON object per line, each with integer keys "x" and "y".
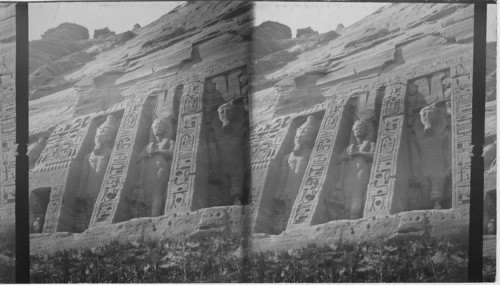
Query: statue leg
{"x": 236, "y": 190}
{"x": 426, "y": 187}
{"x": 225, "y": 186}
{"x": 437, "y": 192}
{"x": 156, "y": 205}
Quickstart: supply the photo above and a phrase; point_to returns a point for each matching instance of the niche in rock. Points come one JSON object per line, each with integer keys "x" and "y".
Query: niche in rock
{"x": 224, "y": 135}
{"x": 154, "y": 166}
{"x": 93, "y": 168}
{"x": 429, "y": 140}
{"x": 293, "y": 166}
{"x": 39, "y": 200}
{"x": 354, "y": 151}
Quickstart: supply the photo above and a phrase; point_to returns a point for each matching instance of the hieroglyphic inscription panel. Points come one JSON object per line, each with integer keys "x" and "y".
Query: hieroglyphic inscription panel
{"x": 117, "y": 178}
{"x": 266, "y": 150}
{"x": 8, "y": 140}
{"x": 313, "y": 183}
{"x": 461, "y": 102}
{"x": 380, "y": 190}
{"x": 181, "y": 183}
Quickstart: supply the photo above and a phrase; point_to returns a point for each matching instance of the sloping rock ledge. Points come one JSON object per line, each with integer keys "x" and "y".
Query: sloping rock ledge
{"x": 443, "y": 224}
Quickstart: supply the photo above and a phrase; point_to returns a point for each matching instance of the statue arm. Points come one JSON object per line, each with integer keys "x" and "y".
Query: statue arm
{"x": 166, "y": 149}
{"x": 280, "y": 191}
{"x": 212, "y": 153}
{"x": 368, "y": 155}
{"x": 143, "y": 155}
{"x": 84, "y": 176}
{"x": 343, "y": 156}
{"x": 414, "y": 156}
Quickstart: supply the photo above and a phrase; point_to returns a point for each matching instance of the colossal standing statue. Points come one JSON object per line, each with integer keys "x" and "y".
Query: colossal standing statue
{"x": 430, "y": 152}
{"x": 229, "y": 133}
{"x": 155, "y": 161}
{"x": 94, "y": 166}
{"x": 355, "y": 165}
{"x": 293, "y": 167}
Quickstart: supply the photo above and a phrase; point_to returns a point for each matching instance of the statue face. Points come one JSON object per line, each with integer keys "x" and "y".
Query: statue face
{"x": 158, "y": 128}
{"x": 226, "y": 114}
{"x": 103, "y": 134}
{"x": 162, "y": 129}
{"x": 429, "y": 115}
{"x": 412, "y": 88}
{"x": 209, "y": 86}
{"x": 360, "y": 129}
{"x": 304, "y": 135}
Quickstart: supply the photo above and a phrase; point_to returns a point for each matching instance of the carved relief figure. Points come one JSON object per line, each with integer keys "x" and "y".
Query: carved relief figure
{"x": 355, "y": 165}
{"x": 35, "y": 150}
{"x": 94, "y": 167}
{"x": 430, "y": 152}
{"x": 293, "y": 167}
{"x": 228, "y": 132}
{"x": 155, "y": 162}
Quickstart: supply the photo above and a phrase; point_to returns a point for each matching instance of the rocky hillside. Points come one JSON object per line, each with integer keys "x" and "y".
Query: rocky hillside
{"x": 72, "y": 75}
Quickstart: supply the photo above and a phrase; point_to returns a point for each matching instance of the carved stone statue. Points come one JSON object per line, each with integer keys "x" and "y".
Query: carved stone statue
{"x": 293, "y": 167}
{"x": 430, "y": 153}
{"x": 355, "y": 165}
{"x": 35, "y": 150}
{"x": 226, "y": 142}
{"x": 95, "y": 163}
{"x": 156, "y": 160}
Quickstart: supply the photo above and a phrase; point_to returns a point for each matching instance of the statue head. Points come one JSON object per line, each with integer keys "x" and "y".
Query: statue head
{"x": 227, "y": 114}
{"x": 446, "y": 82}
{"x": 306, "y": 134}
{"x": 364, "y": 129}
{"x": 412, "y": 88}
{"x": 106, "y": 132}
{"x": 209, "y": 86}
{"x": 163, "y": 127}
{"x": 429, "y": 116}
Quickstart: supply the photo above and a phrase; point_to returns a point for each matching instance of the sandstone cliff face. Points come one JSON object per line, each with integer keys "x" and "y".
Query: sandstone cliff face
{"x": 189, "y": 37}
{"x": 394, "y": 37}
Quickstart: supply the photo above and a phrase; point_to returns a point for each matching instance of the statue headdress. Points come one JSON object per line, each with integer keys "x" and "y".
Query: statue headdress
{"x": 312, "y": 123}
{"x": 112, "y": 123}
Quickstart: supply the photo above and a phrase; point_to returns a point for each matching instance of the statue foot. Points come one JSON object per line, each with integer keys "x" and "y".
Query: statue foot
{"x": 236, "y": 201}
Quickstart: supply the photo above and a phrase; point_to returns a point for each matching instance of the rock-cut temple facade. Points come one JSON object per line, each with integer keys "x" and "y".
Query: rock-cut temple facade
{"x": 196, "y": 123}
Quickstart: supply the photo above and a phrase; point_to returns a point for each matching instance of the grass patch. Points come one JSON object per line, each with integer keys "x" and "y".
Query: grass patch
{"x": 224, "y": 259}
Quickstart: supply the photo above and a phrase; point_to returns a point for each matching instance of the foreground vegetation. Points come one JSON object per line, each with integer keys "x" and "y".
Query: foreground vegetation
{"x": 223, "y": 259}
{"x": 7, "y": 263}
